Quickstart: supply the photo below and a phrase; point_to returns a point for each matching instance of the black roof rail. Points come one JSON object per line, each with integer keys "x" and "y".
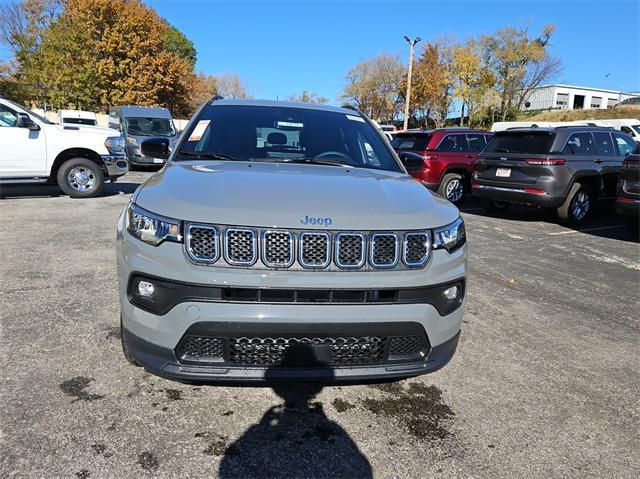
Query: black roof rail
{"x": 217, "y": 97}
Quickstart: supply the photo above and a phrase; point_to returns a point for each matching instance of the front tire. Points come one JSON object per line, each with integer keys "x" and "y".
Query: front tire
{"x": 494, "y": 207}
{"x": 80, "y": 178}
{"x": 452, "y": 187}
{"x": 577, "y": 205}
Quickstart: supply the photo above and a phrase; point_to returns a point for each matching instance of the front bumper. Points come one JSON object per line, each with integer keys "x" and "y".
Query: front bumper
{"x": 117, "y": 165}
{"x": 136, "y": 157}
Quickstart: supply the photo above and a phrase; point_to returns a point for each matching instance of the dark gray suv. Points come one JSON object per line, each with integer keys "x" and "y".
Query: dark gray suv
{"x": 566, "y": 168}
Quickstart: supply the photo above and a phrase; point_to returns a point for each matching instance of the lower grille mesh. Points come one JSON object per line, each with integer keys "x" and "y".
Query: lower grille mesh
{"x": 200, "y": 348}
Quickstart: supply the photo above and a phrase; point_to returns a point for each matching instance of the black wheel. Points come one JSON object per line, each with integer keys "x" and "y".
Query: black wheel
{"x": 80, "y": 178}
{"x": 125, "y": 349}
{"x": 577, "y": 205}
{"x": 633, "y": 227}
{"x": 452, "y": 187}
{"x": 494, "y": 207}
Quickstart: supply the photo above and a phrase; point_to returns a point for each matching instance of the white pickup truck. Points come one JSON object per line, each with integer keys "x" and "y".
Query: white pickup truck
{"x": 78, "y": 159}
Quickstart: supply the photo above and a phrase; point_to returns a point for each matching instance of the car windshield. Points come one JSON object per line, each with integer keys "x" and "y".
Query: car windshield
{"x": 79, "y": 121}
{"x": 283, "y": 134}
{"x": 410, "y": 142}
{"x": 149, "y": 126}
{"x": 35, "y": 115}
{"x": 520, "y": 142}
{"x": 637, "y": 128}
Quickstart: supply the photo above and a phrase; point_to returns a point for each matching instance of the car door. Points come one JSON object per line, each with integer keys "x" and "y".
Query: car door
{"x": 452, "y": 150}
{"x": 609, "y": 160}
{"x": 475, "y": 144}
{"x": 22, "y": 151}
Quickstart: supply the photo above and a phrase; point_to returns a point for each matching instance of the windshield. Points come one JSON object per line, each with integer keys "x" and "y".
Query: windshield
{"x": 259, "y": 133}
{"x": 520, "y": 142}
{"x": 149, "y": 126}
{"x": 410, "y": 142}
{"x": 35, "y": 115}
{"x": 637, "y": 128}
{"x": 79, "y": 121}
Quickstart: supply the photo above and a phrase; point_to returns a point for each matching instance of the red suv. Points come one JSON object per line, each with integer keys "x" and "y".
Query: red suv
{"x": 449, "y": 155}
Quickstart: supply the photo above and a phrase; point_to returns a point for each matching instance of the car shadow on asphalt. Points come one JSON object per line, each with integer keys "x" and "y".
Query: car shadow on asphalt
{"x": 296, "y": 438}
{"x": 603, "y": 222}
{"x": 27, "y": 191}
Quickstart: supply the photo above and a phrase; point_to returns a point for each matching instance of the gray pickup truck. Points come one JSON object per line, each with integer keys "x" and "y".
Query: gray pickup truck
{"x": 287, "y": 241}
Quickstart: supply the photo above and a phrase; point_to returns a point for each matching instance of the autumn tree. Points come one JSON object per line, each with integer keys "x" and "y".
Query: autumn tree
{"x": 431, "y": 89}
{"x": 373, "y": 86}
{"x": 308, "y": 97}
{"x": 471, "y": 79}
{"x": 519, "y": 62}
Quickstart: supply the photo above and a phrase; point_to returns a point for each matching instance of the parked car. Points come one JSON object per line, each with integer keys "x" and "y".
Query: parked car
{"x": 139, "y": 123}
{"x": 449, "y": 155}
{"x": 78, "y": 159}
{"x": 77, "y": 117}
{"x": 566, "y": 168}
{"x": 312, "y": 256}
{"x": 628, "y": 196}
{"x": 630, "y": 126}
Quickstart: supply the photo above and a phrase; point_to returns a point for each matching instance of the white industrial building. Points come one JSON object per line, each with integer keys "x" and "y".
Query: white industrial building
{"x": 569, "y": 97}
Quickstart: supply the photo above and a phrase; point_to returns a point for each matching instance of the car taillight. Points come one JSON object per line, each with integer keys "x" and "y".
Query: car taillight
{"x": 535, "y": 191}
{"x": 549, "y": 162}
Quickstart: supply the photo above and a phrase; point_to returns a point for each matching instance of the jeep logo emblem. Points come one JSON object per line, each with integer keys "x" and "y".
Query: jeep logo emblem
{"x": 313, "y": 220}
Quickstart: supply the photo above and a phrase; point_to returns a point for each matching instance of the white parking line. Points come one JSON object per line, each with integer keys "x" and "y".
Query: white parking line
{"x": 599, "y": 228}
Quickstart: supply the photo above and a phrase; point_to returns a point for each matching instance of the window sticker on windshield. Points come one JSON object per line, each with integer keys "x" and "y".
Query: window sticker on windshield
{"x": 197, "y": 132}
{"x": 355, "y": 118}
{"x": 290, "y": 124}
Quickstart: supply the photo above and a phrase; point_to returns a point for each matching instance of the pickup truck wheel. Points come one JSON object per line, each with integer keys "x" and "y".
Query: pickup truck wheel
{"x": 125, "y": 349}
{"x": 80, "y": 178}
{"x": 452, "y": 187}
{"x": 577, "y": 205}
{"x": 494, "y": 206}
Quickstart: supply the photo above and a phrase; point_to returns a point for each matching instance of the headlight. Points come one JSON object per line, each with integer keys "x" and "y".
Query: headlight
{"x": 115, "y": 145}
{"x": 152, "y": 228}
{"x": 450, "y": 237}
{"x": 132, "y": 141}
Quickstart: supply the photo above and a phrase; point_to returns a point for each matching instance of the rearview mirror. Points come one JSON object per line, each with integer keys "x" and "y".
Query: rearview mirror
{"x": 24, "y": 121}
{"x": 156, "y": 148}
{"x": 412, "y": 162}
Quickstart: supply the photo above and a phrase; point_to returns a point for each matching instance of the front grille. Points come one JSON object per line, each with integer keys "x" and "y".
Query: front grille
{"x": 272, "y": 351}
{"x": 416, "y": 248}
{"x": 384, "y": 250}
{"x": 202, "y": 243}
{"x": 200, "y": 348}
{"x": 350, "y": 250}
{"x": 314, "y": 250}
{"x": 224, "y": 246}
{"x": 240, "y": 247}
{"x": 277, "y": 248}
{"x": 407, "y": 345}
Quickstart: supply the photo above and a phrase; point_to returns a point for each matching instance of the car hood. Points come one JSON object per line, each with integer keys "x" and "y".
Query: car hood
{"x": 88, "y": 129}
{"x": 279, "y": 195}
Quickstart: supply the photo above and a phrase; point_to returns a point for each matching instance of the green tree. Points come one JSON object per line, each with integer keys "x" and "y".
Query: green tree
{"x": 177, "y": 43}
{"x": 308, "y": 97}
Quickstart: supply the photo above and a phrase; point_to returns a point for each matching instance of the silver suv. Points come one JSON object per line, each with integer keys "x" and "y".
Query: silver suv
{"x": 287, "y": 241}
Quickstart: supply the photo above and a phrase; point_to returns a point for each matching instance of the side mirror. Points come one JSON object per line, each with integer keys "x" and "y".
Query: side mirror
{"x": 156, "y": 148}
{"x": 24, "y": 121}
{"x": 412, "y": 162}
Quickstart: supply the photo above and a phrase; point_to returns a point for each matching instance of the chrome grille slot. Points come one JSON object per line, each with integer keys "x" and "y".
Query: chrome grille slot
{"x": 240, "y": 246}
{"x": 202, "y": 243}
{"x": 417, "y": 247}
{"x": 350, "y": 248}
{"x": 384, "y": 250}
{"x": 277, "y": 249}
{"x": 314, "y": 250}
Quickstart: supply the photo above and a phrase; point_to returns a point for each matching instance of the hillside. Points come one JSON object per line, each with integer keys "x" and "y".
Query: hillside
{"x": 632, "y": 111}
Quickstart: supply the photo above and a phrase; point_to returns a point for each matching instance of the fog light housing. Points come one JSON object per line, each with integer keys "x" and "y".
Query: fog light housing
{"x": 451, "y": 293}
{"x": 146, "y": 289}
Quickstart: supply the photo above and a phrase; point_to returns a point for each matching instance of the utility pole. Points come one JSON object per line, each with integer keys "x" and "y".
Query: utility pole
{"x": 412, "y": 43}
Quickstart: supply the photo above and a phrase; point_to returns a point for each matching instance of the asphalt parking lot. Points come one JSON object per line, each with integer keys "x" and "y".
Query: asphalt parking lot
{"x": 545, "y": 382}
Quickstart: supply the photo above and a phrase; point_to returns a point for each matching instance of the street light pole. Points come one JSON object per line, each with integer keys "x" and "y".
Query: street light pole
{"x": 412, "y": 43}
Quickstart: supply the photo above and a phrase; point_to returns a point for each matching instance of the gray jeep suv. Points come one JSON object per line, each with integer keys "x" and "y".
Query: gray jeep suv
{"x": 286, "y": 240}
{"x": 566, "y": 168}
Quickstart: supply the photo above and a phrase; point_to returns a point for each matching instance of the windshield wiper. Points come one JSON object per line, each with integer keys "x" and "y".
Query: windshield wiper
{"x": 312, "y": 161}
{"x": 208, "y": 156}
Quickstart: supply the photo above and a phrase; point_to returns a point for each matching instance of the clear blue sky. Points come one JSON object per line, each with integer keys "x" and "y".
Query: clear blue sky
{"x": 281, "y": 48}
